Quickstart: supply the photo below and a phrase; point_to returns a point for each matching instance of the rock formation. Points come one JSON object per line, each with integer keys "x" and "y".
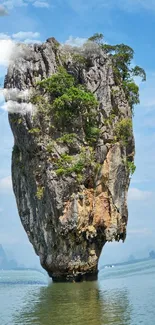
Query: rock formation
{"x": 69, "y": 217}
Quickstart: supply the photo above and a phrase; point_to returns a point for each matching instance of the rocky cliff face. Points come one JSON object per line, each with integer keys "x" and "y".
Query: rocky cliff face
{"x": 67, "y": 219}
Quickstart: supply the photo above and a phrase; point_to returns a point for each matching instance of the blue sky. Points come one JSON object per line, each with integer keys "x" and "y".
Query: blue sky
{"x": 121, "y": 21}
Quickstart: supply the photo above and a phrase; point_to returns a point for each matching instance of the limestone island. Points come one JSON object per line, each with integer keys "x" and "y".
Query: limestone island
{"x": 70, "y": 111}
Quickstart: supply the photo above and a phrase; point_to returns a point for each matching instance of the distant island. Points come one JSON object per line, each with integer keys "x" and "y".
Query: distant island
{"x": 131, "y": 260}
{"x": 5, "y": 263}
{"x": 11, "y": 264}
{"x": 152, "y": 254}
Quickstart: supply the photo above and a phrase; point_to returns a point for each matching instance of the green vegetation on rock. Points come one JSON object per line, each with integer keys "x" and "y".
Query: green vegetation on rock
{"x": 74, "y": 103}
{"x": 122, "y": 56}
{"x": 70, "y": 111}
{"x": 97, "y": 38}
{"x": 67, "y": 100}
{"x": 40, "y": 192}
{"x": 57, "y": 84}
{"x": 50, "y": 147}
{"x": 79, "y": 59}
{"x": 123, "y": 130}
{"x": 69, "y": 105}
{"x": 67, "y": 138}
{"x": 34, "y": 131}
{"x": 130, "y": 167}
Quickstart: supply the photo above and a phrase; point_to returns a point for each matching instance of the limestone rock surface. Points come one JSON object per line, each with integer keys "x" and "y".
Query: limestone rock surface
{"x": 69, "y": 223}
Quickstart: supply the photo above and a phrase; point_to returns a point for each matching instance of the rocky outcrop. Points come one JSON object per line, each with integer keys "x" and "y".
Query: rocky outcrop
{"x": 68, "y": 221}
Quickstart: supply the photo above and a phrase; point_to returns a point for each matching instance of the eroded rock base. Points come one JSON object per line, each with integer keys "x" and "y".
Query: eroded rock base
{"x": 80, "y": 277}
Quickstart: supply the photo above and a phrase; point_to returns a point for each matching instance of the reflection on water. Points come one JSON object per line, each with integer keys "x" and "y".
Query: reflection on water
{"x": 123, "y": 295}
{"x": 79, "y": 303}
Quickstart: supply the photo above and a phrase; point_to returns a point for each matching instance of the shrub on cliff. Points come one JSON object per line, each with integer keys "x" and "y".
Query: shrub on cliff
{"x": 73, "y": 103}
{"x": 97, "y": 38}
{"x": 123, "y": 130}
{"x": 70, "y": 101}
{"x": 122, "y": 56}
{"x": 68, "y": 104}
{"x": 57, "y": 84}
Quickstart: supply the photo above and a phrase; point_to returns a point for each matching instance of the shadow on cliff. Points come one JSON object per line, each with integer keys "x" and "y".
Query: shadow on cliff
{"x": 76, "y": 304}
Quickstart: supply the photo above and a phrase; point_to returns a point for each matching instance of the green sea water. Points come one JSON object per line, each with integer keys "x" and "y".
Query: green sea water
{"x": 123, "y": 295}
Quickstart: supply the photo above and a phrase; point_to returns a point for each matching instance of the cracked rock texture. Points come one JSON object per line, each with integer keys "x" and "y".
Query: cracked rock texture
{"x": 68, "y": 224}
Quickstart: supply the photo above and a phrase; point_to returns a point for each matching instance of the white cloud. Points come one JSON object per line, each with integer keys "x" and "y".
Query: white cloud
{"x": 1, "y": 96}
{"x": 75, "y": 41}
{"x": 25, "y": 35}
{"x": 6, "y": 184}
{"x": 4, "y": 36}
{"x": 32, "y": 41}
{"x": 80, "y": 5}
{"x": 9, "y": 51}
{"x": 15, "y": 107}
{"x": 10, "y": 4}
{"x": 3, "y": 11}
{"x": 13, "y": 96}
{"x": 7, "y": 47}
{"x": 135, "y": 195}
{"x": 41, "y": 4}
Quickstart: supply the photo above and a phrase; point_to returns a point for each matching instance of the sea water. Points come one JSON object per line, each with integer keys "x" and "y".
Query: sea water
{"x": 123, "y": 295}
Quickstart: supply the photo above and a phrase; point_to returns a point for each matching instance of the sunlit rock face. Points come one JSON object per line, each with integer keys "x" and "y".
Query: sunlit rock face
{"x": 68, "y": 222}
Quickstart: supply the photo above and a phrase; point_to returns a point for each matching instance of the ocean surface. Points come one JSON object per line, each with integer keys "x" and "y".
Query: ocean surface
{"x": 123, "y": 295}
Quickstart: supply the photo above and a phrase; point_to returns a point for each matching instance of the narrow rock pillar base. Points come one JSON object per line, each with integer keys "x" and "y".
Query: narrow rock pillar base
{"x": 79, "y": 277}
